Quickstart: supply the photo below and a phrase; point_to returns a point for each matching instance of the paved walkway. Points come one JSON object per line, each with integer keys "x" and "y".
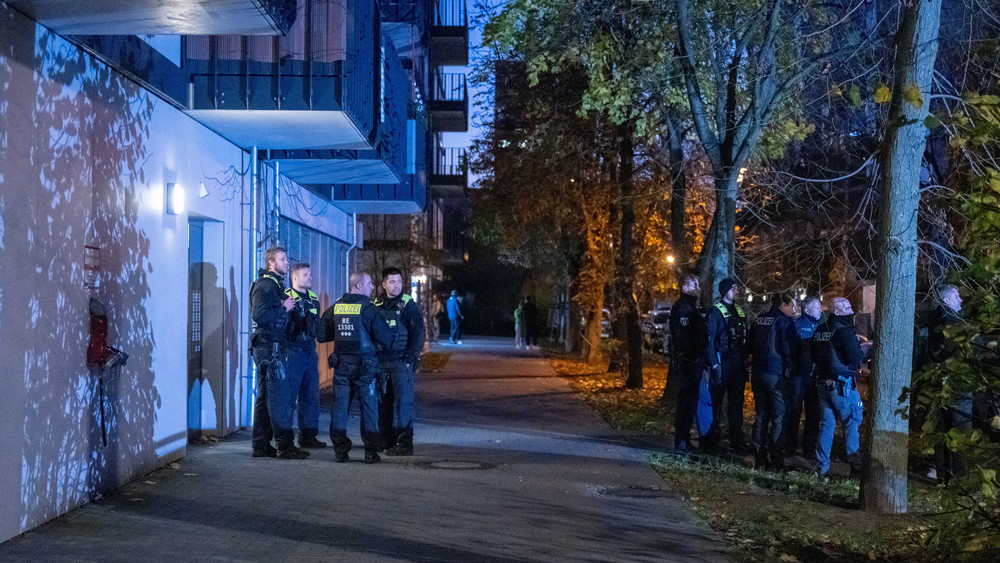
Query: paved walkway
{"x": 510, "y": 466}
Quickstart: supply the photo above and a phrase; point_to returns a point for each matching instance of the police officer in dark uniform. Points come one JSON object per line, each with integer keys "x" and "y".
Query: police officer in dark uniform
{"x": 404, "y": 317}
{"x": 303, "y": 363}
{"x": 772, "y": 344}
{"x": 838, "y": 357}
{"x": 688, "y": 365}
{"x": 356, "y": 328}
{"x": 725, "y": 357}
{"x": 801, "y": 387}
{"x": 272, "y": 408}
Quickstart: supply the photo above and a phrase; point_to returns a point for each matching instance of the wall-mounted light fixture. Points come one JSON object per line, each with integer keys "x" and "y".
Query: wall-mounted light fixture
{"x": 175, "y": 198}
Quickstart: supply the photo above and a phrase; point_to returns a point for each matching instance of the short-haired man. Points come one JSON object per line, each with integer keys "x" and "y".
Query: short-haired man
{"x": 687, "y": 364}
{"x": 356, "y": 327}
{"x": 303, "y": 363}
{"x": 272, "y": 408}
{"x": 404, "y": 317}
{"x": 773, "y": 341}
{"x": 838, "y": 358}
{"x": 455, "y": 317}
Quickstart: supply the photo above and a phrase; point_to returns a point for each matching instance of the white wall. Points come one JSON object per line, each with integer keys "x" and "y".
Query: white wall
{"x": 84, "y": 157}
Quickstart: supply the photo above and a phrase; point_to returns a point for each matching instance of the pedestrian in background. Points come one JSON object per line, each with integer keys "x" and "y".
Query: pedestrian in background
{"x": 529, "y": 316}
{"x": 519, "y": 325}
{"x": 947, "y": 313}
{"x": 455, "y": 317}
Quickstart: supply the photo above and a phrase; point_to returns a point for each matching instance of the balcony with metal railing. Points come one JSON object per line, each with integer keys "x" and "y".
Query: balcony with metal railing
{"x": 385, "y": 163}
{"x": 156, "y": 17}
{"x": 316, "y": 88}
{"x": 450, "y": 33}
{"x": 449, "y": 173}
{"x": 449, "y": 102}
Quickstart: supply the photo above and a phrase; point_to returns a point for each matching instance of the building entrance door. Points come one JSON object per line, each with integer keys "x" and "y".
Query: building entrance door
{"x": 206, "y": 375}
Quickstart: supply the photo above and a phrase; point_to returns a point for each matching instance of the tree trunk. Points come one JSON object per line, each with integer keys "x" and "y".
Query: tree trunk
{"x": 678, "y": 193}
{"x": 717, "y": 257}
{"x": 884, "y": 479}
{"x": 626, "y": 271}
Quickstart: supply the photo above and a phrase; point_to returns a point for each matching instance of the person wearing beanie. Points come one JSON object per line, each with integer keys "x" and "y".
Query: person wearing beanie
{"x": 726, "y": 360}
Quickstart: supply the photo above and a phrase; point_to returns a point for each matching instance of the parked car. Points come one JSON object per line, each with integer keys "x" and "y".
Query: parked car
{"x": 605, "y": 323}
{"x": 654, "y": 330}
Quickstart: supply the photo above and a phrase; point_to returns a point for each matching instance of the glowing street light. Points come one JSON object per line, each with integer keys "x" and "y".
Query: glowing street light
{"x": 670, "y": 259}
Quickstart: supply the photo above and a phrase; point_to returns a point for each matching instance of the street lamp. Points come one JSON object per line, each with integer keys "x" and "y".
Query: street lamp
{"x": 670, "y": 259}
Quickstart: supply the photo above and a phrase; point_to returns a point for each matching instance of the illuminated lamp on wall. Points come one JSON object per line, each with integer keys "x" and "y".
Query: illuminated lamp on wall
{"x": 175, "y": 199}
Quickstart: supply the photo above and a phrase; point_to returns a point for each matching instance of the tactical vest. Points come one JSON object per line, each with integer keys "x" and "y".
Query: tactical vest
{"x": 275, "y": 329}
{"x": 394, "y": 318}
{"x": 825, "y": 355}
{"x": 311, "y": 307}
{"x": 350, "y": 337}
{"x": 736, "y": 334}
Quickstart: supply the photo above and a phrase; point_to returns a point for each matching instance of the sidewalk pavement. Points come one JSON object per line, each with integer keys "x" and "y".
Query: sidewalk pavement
{"x": 510, "y": 466}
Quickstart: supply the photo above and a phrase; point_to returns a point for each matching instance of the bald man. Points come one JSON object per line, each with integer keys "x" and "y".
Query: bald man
{"x": 838, "y": 358}
{"x": 356, "y": 327}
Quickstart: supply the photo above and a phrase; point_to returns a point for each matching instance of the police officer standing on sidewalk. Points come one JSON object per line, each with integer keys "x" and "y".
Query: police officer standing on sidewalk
{"x": 303, "y": 363}
{"x": 687, "y": 364}
{"x": 801, "y": 387}
{"x": 404, "y": 317}
{"x": 725, "y": 357}
{"x": 773, "y": 340}
{"x": 838, "y": 357}
{"x": 272, "y": 408}
{"x": 356, "y": 327}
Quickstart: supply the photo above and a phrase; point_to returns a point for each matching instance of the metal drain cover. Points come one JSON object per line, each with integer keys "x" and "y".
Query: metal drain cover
{"x": 453, "y": 465}
{"x": 633, "y": 491}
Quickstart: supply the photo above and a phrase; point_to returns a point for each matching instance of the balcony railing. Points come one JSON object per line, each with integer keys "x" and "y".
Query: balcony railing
{"x": 328, "y": 61}
{"x": 449, "y": 87}
{"x": 451, "y": 13}
{"x": 449, "y": 161}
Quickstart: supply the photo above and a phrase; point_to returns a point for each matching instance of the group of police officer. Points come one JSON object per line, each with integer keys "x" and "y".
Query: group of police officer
{"x": 377, "y": 346}
{"x": 793, "y": 363}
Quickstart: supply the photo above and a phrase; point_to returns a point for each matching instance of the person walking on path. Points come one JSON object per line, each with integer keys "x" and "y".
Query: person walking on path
{"x": 688, "y": 365}
{"x": 838, "y": 357}
{"x": 356, "y": 328}
{"x": 455, "y": 317}
{"x": 529, "y": 317}
{"x": 519, "y": 325}
{"x": 304, "y": 326}
{"x": 772, "y": 340}
{"x": 725, "y": 357}
{"x": 404, "y": 317}
{"x": 272, "y": 408}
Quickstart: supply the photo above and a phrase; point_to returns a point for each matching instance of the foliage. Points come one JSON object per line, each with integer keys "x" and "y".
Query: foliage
{"x": 972, "y": 365}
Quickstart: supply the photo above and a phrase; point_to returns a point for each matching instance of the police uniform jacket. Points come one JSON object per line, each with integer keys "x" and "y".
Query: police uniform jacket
{"x": 355, "y": 326}
{"x": 304, "y": 324}
{"x": 404, "y": 317}
{"x": 266, "y": 309}
{"x": 805, "y": 327}
{"x": 773, "y": 340}
{"x": 726, "y": 333}
{"x": 835, "y": 348}
{"x": 685, "y": 327}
